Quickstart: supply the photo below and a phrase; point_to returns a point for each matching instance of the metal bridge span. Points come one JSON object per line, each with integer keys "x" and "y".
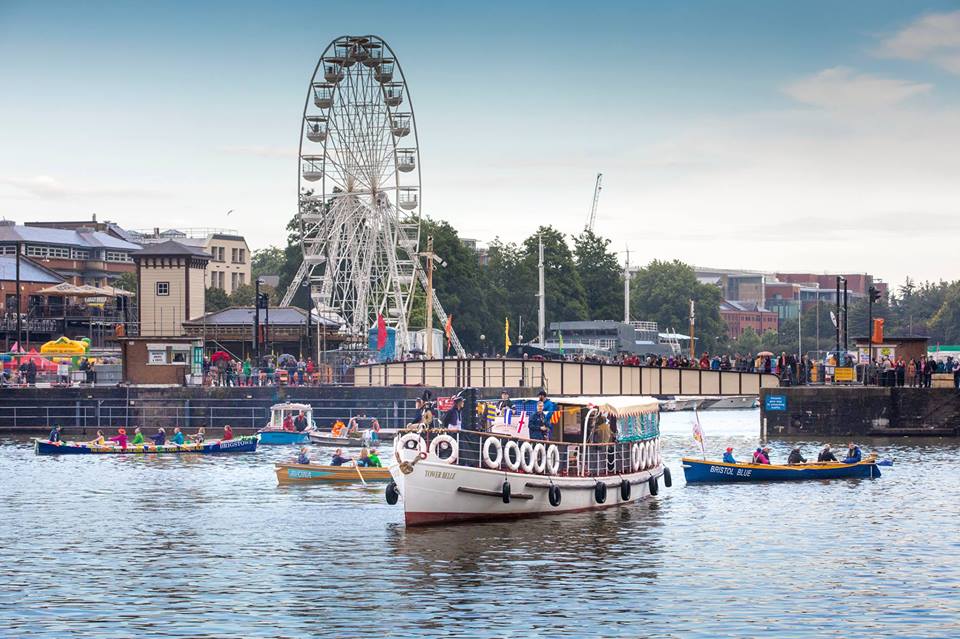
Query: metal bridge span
{"x": 562, "y": 378}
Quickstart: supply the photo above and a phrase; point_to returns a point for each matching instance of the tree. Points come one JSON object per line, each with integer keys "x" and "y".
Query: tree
{"x": 216, "y": 300}
{"x": 747, "y": 344}
{"x": 600, "y": 274}
{"x": 243, "y": 295}
{"x": 565, "y": 297}
{"x": 946, "y": 321}
{"x": 268, "y": 261}
{"x": 661, "y": 292}
{"x": 126, "y": 282}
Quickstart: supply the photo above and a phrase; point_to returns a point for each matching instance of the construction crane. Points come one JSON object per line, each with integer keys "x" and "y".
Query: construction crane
{"x": 596, "y": 200}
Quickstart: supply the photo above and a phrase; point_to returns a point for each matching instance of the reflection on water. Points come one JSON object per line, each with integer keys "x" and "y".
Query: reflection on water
{"x": 212, "y": 547}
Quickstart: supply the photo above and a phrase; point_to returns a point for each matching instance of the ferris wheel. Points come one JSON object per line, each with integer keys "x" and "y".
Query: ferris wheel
{"x": 359, "y": 190}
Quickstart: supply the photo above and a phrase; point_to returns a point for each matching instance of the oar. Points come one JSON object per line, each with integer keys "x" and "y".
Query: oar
{"x": 355, "y": 465}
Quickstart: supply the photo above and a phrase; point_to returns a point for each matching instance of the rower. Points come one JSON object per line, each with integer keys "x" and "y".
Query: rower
{"x": 338, "y": 459}
{"x": 177, "y": 437}
{"x": 373, "y": 460}
{"x": 303, "y": 457}
{"x": 826, "y": 455}
{"x": 728, "y": 456}
{"x": 795, "y": 457}
{"x": 160, "y": 438}
{"x": 853, "y": 454}
{"x": 227, "y": 433}
{"x": 55, "y": 434}
{"x": 137, "y": 437}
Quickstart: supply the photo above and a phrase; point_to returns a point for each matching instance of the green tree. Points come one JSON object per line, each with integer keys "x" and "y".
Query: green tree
{"x": 566, "y": 299}
{"x": 945, "y": 325}
{"x": 242, "y": 296}
{"x": 747, "y": 344}
{"x": 268, "y": 261}
{"x": 216, "y": 300}
{"x": 601, "y": 275}
{"x": 127, "y": 282}
{"x": 661, "y": 292}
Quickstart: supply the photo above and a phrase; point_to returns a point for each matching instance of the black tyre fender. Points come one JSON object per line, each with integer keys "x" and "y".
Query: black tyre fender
{"x": 392, "y": 494}
{"x": 654, "y": 486}
{"x": 505, "y": 492}
{"x": 553, "y": 494}
{"x": 667, "y": 479}
{"x": 624, "y": 490}
{"x": 600, "y": 492}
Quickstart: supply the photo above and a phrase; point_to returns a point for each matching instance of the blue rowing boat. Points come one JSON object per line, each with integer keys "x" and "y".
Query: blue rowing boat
{"x": 246, "y": 444}
{"x": 269, "y": 436}
{"x": 700, "y": 471}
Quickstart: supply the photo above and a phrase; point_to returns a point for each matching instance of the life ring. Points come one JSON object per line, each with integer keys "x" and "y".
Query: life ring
{"x": 392, "y": 494}
{"x": 505, "y": 492}
{"x": 600, "y": 492}
{"x": 511, "y": 455}
{"x": 527, "y": 457}
{"x": 667, "y": 479}
{"x": 659, "y": 452}
{"x": 410, "y": 446}
{"x": 654, "y": 486}
{"x": 624, "y": 490}
{"x": 488, "y": 459}
{"x": 448, "y": 440}
{"x": 635, "y": 457}
{"x": 539, "y": 458}
{"x": 553, "y": 459}
{"x": 648, "y": 454}
{"x": 553, "y": 494}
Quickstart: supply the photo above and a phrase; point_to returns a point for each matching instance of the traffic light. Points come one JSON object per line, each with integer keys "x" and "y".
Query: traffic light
{"x": 874, "y": 294}
{"x": 263, "y": 300}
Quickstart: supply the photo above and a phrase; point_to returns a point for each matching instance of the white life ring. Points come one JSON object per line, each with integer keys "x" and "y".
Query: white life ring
{"x": 659, "y": 459}
{"x": 553, "y": 459}
{"x": 445, "y": 439}
{"x": 490, "y": 460}
{"x": 526, "y": 457}
{"x": 653, "y": 454}
{"x": 409, "y": 453}
{"x": 645, "y": 456}
{"x": 511, "y": 455}
{"x": 635, "y": 456}
{"x": 539, "y": 458}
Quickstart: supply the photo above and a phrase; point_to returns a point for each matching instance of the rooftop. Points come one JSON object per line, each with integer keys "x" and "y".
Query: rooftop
{"x": 30, "y": 271}
{"x": 244, "y": 316}
{"x": 10, "y": 232}
{"x": 171, "y": 247}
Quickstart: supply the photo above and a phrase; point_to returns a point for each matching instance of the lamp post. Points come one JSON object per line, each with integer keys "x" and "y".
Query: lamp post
{"x": 873, "y": 295}
{"x": 483, "y": 347}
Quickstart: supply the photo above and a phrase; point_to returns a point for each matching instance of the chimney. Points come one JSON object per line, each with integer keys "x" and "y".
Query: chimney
{"x": 94, "y": 217}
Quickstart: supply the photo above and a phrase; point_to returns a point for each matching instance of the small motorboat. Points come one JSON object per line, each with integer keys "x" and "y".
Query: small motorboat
{"x": 245, "y": 444}
{"x": 315, "y": 473}
{"x": 702, "y": 471}
{"x": 352, "y": 436}
{"x": 274, "y": 432}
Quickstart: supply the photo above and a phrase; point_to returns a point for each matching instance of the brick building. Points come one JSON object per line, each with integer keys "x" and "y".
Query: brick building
{"x": 741, "y": 315}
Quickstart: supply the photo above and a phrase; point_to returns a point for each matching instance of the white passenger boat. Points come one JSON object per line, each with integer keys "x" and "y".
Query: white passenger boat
{"x": 470, "y": 475}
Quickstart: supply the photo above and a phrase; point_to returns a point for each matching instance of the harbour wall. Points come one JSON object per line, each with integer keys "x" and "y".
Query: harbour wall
{"x": 860, "y": 410}
{"x": 247, "y": 409}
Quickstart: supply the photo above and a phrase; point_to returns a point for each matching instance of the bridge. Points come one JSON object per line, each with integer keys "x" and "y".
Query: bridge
{"x": 562, "y": 378}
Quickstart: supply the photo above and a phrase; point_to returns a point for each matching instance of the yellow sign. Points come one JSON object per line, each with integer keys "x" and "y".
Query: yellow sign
{"x": 844, "y": 374}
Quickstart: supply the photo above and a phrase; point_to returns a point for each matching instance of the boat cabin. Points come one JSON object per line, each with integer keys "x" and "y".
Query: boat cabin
{"x": 279, "y": 412}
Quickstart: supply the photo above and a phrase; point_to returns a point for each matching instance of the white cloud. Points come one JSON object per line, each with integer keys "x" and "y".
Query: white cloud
{"x": 932, "y": 38}
{"x": 844, "y": 88}
{"x": 47, "y": 187}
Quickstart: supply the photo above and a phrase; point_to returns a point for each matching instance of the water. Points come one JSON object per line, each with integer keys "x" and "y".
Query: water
{"x": 211, "y": 547}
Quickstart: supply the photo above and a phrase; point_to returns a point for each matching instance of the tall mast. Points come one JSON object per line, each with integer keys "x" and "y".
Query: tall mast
{"x": 542, "y": 300}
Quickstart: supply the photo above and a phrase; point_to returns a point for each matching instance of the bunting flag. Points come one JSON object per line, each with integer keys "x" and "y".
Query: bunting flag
{"x": 522, "y": 421}
{"x": 506, "y": 335}
{"x": 448, "y": 329}
{"x": 381, "y": 332}
{"x": 507, "y": 415}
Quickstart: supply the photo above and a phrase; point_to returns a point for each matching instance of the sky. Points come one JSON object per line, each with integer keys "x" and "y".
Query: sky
{"x": 805, "y": 136}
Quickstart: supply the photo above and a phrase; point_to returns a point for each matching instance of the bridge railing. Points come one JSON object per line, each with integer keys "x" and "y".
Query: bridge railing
{"x": 563, "y": 378}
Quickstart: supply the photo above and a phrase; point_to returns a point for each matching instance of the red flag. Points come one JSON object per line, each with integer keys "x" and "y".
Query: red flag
{"x": 449, "y": 329}
{"x": 381, "y": 333}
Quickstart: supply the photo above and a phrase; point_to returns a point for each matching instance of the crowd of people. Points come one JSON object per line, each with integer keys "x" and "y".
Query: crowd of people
{"x": 160, "y": 438}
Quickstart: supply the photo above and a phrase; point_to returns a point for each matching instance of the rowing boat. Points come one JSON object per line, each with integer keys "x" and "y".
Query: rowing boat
{"x": 701, "y": 471}
{"x": 308, "y": 473}
{"x": 243, "y": 444}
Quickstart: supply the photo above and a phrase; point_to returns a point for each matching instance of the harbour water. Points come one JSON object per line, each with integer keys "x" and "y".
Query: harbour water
{"x": 107, "y": 547}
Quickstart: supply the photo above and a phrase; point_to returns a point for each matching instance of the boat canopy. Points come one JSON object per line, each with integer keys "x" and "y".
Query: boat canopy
{"x": 619, "y": 405}
{"x": 291, "y": 406}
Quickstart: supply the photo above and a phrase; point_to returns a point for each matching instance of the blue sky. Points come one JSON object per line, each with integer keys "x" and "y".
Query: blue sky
{"x": 768, "y": 135}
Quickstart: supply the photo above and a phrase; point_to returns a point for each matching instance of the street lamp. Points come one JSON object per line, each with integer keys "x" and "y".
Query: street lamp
{"x": 483, "y": 348}
{"x": 873, "y": 295}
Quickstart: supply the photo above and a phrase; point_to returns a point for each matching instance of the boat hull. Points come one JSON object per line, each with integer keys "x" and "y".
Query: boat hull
{"x": 324, "y": 438}
{"x": 245, "y": 444}
{"x": 434, "y": 493}
{"x": 282, "y": 437}
{"x": 705, "y": 471}
{"x": 315, "y": 473}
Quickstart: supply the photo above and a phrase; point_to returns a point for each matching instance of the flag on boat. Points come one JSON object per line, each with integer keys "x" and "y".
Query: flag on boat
{"x": 698, "y": 434}
{"x": 506, "y": 334}
{"x": 523, "y": 419}
{"x": 507, "y": 415}
{"x": 491, "y": 412}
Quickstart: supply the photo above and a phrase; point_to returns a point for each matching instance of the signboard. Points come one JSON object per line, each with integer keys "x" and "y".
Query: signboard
{"x": 882, "y": 351}
{"x": 844, "y": 374}
{"x": 775, "y": 402}
{"x": 156, "y": 357}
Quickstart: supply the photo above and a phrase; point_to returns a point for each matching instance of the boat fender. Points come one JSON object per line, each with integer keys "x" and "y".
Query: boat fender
{"x": 527, "y": 457}
{"x": 553, "y": 494}
{"x": 491, "y": 460}
{"x": 635, "y": 456}
{"x": 511, "y": 455}
{"x": 654, "y": 486}
{"x": 667, "y": 479}
{"x": 539, "y": 458}
{"x": 600, "y": 492}
{"x": 505, "y": 492}
{"x": 438, "y": 442}
{"x": 553, "y": 460}
{"x": 392, "y": 493}
{"x": 624, "y": 490}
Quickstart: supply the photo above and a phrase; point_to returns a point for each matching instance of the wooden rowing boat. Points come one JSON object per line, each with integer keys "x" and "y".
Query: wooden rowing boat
{"x": 313, "y": 473}
{"x": 243, "y": 444}
{"x": 703, "y": 471}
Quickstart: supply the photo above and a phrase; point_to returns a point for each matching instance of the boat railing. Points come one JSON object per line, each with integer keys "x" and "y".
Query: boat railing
{"x": 510, "y": 453}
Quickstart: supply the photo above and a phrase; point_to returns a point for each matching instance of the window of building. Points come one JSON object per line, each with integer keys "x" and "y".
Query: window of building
{"x": 243, "y": 256}
{"x": 8, "y": 250}
{"x": 80, "y": 254}
{"x": 233, "y": 255}
{"x": 220, "y": 252}
{"x": 163, "y": 288}
{"x": 233, "y": 281}
{"x": 242, "y": 277}
{"x": 118, "y": 256}
{"x": 36, "y": 251}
